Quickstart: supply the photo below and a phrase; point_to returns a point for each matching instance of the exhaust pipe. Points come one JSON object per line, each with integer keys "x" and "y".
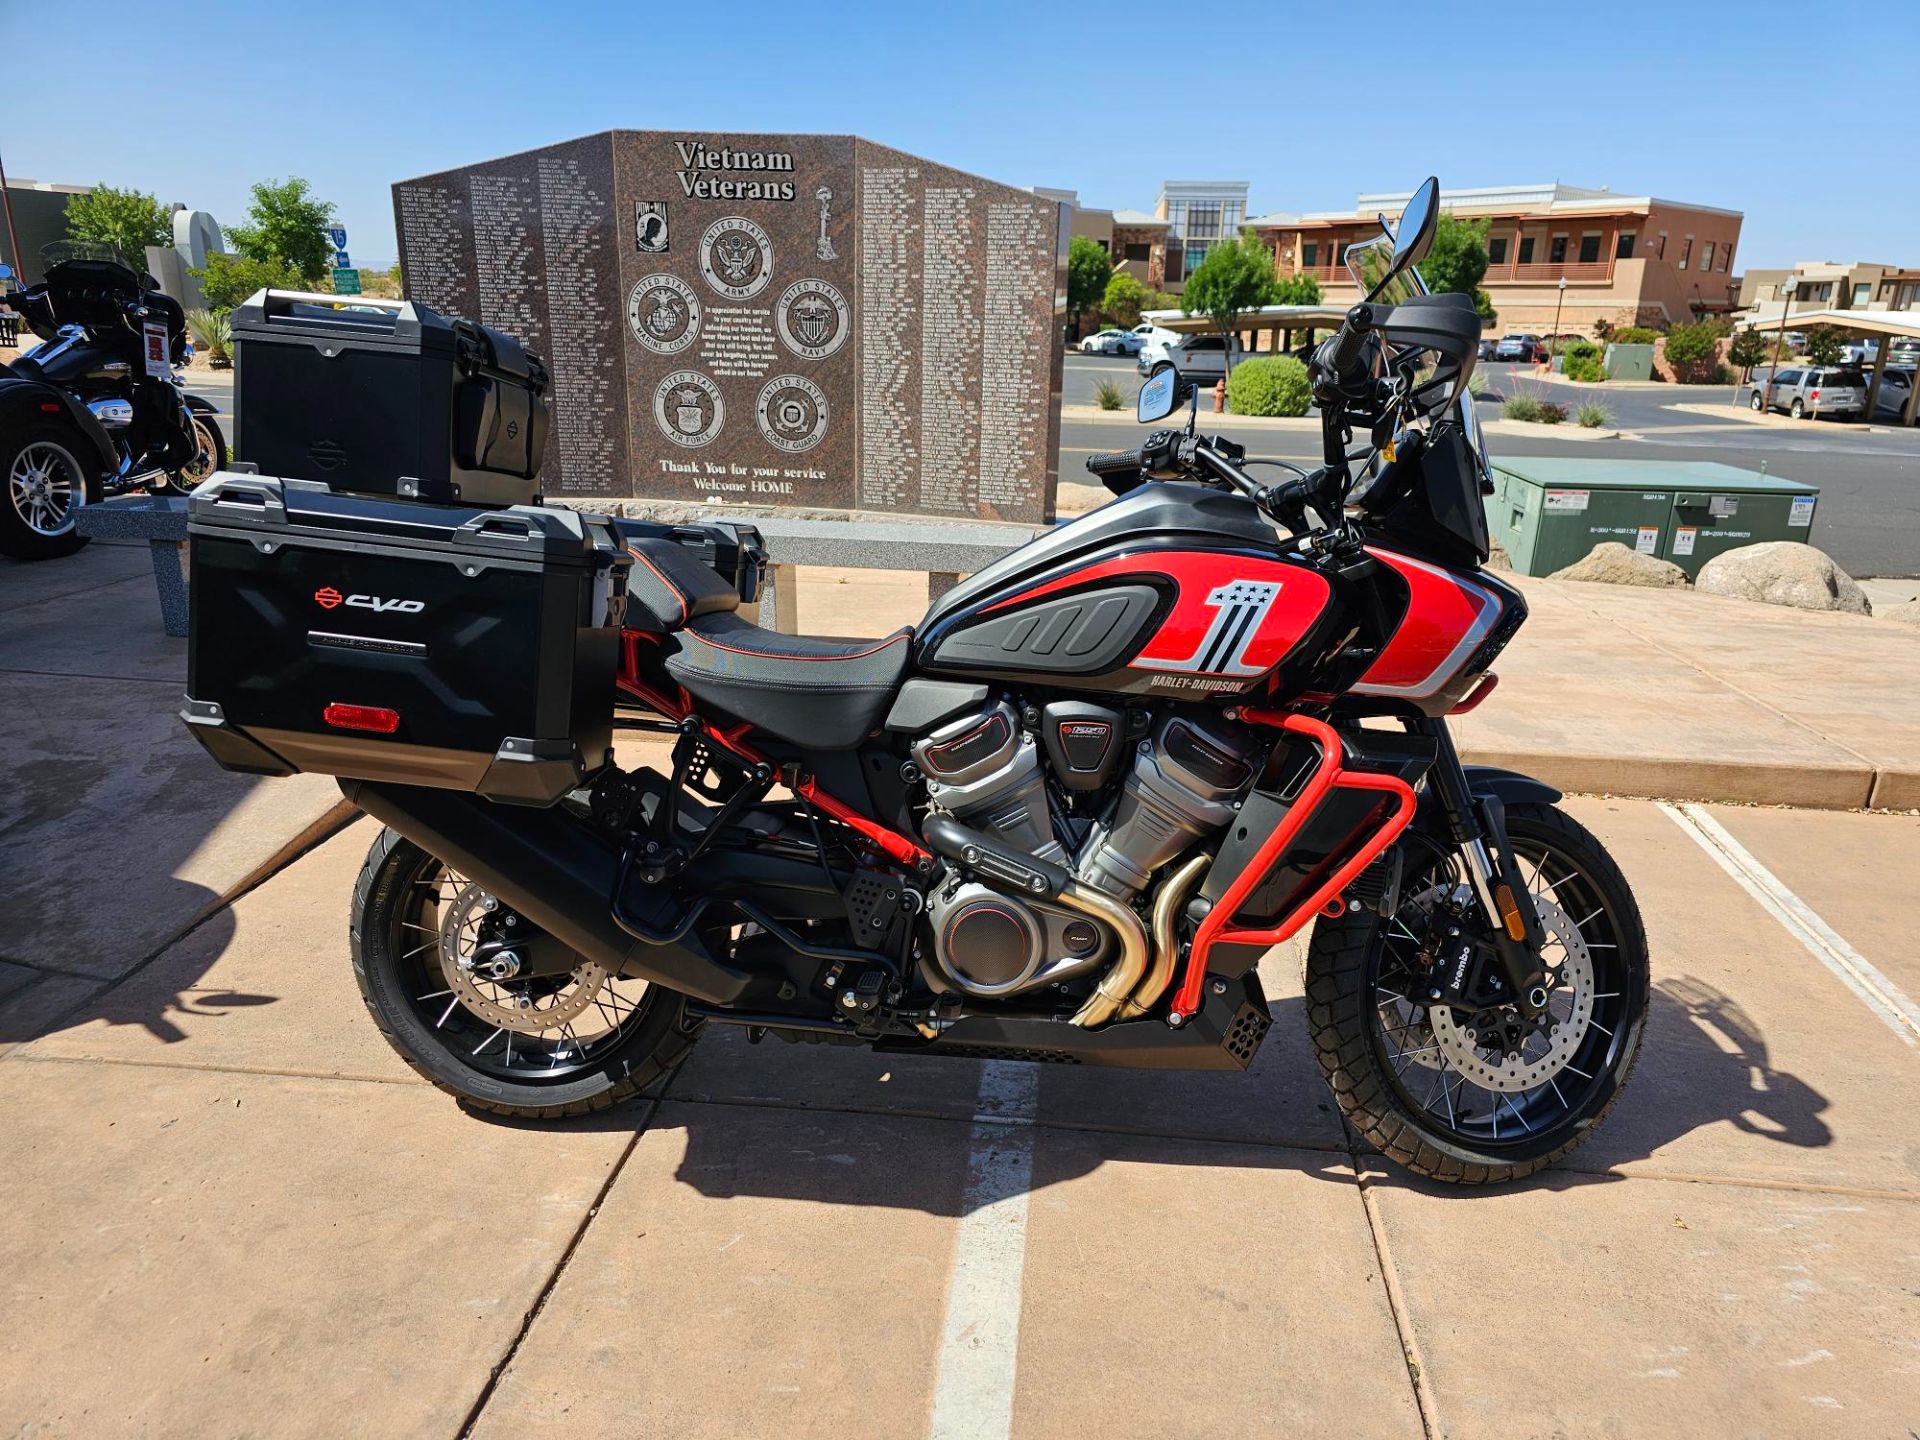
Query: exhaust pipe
{"x": 551, "y": 869}
{"x": 1167, "y": 901}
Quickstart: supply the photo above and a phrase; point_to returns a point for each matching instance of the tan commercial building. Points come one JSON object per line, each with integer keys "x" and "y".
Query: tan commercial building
{"x": 1817, "y": 285}
{"x": 1625, "y": 259}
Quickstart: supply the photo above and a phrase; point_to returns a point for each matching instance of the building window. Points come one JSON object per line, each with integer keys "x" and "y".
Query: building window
{"x": 1497, "y": 250}
{"x": 1686, "y": 250}
{"x": 1526, "y": 249}
{"x": 1195, "y": 254}
{"x": 1623, "y": 247}
{"x": 1660, "y": 246}
{"x": 1726, "y": 259}
{"x": 1137, "y": 252}
{"x": 1557, "y": 250}
{"x": 1860, "y": 294}
{"x": 1309, "y": 254}
{"x": 1203, "y": 221}
{"x": 1706, "y": 258}
{"x": 1590, "y": 248}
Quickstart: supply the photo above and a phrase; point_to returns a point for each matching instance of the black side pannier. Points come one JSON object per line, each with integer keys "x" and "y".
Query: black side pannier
{"x": 386, "y": 397}
{"x": 417, "y": 644}
{"x": 733, "y": 551}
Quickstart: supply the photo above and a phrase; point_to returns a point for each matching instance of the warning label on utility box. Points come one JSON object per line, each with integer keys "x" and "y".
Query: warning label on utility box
{"x": 1568, "y": 501}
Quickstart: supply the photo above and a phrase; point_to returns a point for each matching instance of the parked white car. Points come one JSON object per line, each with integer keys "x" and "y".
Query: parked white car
{"x": 1201, "y": 359}
{"x": 1111, "y": 342}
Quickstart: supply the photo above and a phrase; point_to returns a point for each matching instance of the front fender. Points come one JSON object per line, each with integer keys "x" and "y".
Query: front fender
{"x": 200, "y": 405}
{"x": 1510, "y": 787}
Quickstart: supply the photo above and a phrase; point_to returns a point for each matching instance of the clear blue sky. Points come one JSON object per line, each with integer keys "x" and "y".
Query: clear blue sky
{"x": 1310, "y": 105}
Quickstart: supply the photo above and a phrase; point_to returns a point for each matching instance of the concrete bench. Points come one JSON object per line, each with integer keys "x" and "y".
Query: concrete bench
{"x": 161, "y": 521}
{"x": 945, "y": 550}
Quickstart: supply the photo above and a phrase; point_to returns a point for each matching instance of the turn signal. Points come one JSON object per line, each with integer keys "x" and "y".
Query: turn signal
{"x": 374, "y": 718}
{"x": 1509, "y": 912}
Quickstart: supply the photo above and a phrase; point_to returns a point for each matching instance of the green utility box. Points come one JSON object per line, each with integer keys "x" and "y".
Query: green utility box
{"x": 1548, "y": 513}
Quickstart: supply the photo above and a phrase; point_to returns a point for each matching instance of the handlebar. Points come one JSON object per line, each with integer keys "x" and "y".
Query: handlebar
{"x": 1340, "y": 356}
{"x": 1114, "y": 462}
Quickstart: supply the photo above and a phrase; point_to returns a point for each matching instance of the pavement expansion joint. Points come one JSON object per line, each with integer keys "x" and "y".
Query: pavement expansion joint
{"x": 25, "y": 1052}
{"x": 89, "y": 675}
{"x": 553, "y": 1280}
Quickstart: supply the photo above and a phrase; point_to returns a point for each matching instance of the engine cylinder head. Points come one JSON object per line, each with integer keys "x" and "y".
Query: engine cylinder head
{"x": 1183, "y": 785}
{"x": 985, "y": 771}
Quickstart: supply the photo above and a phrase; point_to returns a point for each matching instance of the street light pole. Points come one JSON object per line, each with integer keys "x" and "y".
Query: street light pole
{"x": 1787, "y": 288}
{"x": 1553, "y": 340}
{"x": 13, "y": 241}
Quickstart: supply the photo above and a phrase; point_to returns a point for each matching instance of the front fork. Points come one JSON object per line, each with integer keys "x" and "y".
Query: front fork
{"x": 1477, "y": 825}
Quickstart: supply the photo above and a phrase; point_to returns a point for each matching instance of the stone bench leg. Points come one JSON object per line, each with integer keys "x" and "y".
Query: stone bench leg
{"x": 938, "y": 584}
{"x": 780, "y": 600}
{"x": 169, "y": 578}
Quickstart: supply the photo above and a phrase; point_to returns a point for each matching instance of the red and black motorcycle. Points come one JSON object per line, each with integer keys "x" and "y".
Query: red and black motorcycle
{"x": 1059, "y": 820}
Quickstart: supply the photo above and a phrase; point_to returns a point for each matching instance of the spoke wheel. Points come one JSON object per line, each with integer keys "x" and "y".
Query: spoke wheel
{"x": 46, "y": 486}
{"x": 440, "y": 964}
{"x": 1479, "y": 1096}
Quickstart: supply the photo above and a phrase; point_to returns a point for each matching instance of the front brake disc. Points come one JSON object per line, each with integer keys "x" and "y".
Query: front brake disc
{"x": 1482, "y": 1056}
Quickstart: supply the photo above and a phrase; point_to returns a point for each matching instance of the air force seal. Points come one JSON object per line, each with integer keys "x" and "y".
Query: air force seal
{"x": 792, "y": 413}
{"x": 664, "y": 313}
{"x": 736, "y": 257}
{"x": 812, "y": 318}
{"x": 688, "y": 409}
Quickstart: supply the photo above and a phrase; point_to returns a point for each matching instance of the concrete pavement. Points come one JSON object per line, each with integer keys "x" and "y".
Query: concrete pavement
{"x": 262, "y": 1223}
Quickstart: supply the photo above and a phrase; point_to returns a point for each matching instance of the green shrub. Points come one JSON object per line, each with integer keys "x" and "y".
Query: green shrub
{"x": 1276, "y": 385}
{"x": 1825, "y": 345}
{"x": 229, "y": 279}
{"x": 1592, "y": 415}
{"x": 1520, "y": 407}
{"x": 1583, "y": 362}
{"x": 213, "y": 333}
{"x": 1552, "y": 412}
{"x": 1633, "y": 335}
{"x": 1693, "y": 353}
{"x": 1108, "y": 396}
{"x": 1477, "y": 383}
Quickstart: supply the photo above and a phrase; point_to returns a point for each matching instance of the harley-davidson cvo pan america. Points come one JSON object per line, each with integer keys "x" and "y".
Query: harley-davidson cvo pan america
{"x": 1063, "y": 817}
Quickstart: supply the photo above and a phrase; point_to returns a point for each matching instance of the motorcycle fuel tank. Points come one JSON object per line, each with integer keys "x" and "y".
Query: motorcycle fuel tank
{"x": 1176, "y": 619}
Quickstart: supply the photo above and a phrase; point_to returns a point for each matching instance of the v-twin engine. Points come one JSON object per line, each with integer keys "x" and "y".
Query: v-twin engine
{"x": 985, "y": 770}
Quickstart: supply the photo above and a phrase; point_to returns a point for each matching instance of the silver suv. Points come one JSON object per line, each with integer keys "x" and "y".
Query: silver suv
{"x": 1803, "y": 390}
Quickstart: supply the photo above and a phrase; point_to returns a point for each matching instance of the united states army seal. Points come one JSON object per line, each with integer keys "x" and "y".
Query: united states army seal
{"x": 688, "y": 409}
{"x": 812, "y": 318}
{"x": 664, "y": 313}
{"x": 792, "y": 413}
{"x": 736, "y": 257}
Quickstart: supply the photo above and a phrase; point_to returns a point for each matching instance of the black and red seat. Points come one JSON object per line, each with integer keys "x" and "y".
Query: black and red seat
{"x": 823, "y": 694}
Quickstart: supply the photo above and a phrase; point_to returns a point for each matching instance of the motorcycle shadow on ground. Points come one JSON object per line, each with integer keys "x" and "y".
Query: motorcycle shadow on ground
{"x": 847, "y": 1127}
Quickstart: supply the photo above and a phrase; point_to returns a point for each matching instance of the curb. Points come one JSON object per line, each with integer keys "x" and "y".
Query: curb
{"x": 1721, "y": 782}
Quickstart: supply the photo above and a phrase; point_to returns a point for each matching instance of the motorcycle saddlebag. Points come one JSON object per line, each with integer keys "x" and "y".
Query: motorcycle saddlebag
{"x": 383, "y": 640}
{"x": 386, "y": 397}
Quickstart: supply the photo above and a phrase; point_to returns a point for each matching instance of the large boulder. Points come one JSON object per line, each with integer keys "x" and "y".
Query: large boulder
{"x": 1907, "y": 612}
{"x": 1497, "y": 557}
{"x": 1611, "y": 563}
{"x": 1783, "y": 572}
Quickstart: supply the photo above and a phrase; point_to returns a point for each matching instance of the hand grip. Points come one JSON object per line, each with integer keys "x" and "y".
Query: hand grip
{"x": 1113, "y": 462}
{"x": 1342, "y": 354}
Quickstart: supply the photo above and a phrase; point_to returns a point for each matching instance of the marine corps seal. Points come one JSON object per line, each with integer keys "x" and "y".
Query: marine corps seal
{"x": 736, "y": 257}
{"x": 812, "y": 318}
{"x": 792, "y": 413}
{"x": 688, "y": 409}
{"x": 664, "y": 313}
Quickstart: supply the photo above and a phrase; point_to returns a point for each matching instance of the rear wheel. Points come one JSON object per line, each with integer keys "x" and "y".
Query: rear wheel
{"x": 46, "y": 487}
{"x": 567, "y": 1041}
{"x": 1487, "y": 1096}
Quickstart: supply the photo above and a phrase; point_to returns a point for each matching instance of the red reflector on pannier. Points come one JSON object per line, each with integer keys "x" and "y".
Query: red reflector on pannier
{"x": 378, "y": 719}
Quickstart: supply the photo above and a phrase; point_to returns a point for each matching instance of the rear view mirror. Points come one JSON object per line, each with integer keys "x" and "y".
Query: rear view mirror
{"x": 1414, "y": 235}
{"x": 1158, "y": 397}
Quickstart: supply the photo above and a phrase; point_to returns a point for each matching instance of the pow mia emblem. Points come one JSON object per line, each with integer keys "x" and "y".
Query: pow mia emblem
{"x": 792, "y": 413}
{"x": 650, "y": 227}
{"x": 688, "y": 409}
{"x": 812, "y": 318}
{"x": 664, "y": 313}
{"x": 736, "y": 257}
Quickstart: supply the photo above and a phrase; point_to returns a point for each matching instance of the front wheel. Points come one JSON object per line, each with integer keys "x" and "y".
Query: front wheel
{"x": 1798, "y": 410}
{"x": 1485, "y": 1096}
{"x": 565, "y": 1038}
{"x": 210, "y": 454}
{"x": 1757, "y": 404}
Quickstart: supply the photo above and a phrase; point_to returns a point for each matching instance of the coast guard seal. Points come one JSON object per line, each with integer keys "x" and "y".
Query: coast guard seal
{"x": 792, "y": 413}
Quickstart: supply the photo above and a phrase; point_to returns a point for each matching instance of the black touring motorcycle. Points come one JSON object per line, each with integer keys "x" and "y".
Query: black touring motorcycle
{"x": 1060, "y": 820}
{"x": 95, "y": 409}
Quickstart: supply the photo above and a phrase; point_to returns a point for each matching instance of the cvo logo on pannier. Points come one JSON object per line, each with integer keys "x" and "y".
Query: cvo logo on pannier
{"x": 328, "y": 598}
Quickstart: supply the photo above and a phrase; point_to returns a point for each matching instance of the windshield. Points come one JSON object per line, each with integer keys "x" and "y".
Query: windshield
{"x": 1370, "y": 260}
